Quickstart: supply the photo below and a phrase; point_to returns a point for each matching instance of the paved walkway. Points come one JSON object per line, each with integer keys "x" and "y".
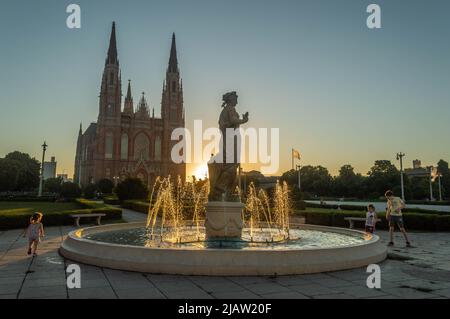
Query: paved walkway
{"x": 422, "y": 272}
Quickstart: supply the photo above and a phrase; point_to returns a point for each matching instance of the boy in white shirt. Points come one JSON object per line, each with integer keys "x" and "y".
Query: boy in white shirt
{"x": 371, "y": 219}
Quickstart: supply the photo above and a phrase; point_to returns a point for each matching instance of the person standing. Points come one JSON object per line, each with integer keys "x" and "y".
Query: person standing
{"x": 394, "y": 216}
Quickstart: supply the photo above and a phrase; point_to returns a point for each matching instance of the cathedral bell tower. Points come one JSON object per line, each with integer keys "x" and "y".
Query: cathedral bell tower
{"x": 111, "y": 92}
{"x": 172, "y": 111}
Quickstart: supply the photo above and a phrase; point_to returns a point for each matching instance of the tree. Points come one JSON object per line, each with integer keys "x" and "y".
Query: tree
{"x": 315, "y": 179}
{"x": 19, "y": 172}
{"x": 131, "y": 188}
{"x": 90, "y": 191}
{"x": 53, "y": 185}
{"x": 8, "y": 175}
{"x": 348, "y": 183}
{"x": 105, "y": 186}
{"x": 70, "y": 190}
{"x": 381, "y": 177}
{"x": 444, "y": 170}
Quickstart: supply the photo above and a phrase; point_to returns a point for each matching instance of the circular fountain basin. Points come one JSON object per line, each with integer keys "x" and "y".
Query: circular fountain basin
{"x": 315, "y": 249}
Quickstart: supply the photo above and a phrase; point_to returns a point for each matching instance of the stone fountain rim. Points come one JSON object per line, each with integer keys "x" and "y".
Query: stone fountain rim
{"x": 111, "y": 227}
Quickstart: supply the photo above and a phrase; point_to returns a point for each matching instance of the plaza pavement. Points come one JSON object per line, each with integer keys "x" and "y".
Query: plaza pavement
{"x": 420, "y": 272}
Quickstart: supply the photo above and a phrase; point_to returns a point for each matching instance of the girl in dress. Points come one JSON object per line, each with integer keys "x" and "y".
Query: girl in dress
{"x": 34, "y": 232}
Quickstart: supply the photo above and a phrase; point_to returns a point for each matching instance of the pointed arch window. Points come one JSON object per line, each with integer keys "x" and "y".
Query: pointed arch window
{"x": 141, "y": 147}
{"x": 158, "y": 148}
{"x": 109, "y": 145}
{"x": 124, "y": 147}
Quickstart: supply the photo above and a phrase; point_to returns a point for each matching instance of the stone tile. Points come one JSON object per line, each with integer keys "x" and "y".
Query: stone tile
{"x": 243, "y": 294}
{"x": 333, "y": 283}
{"x": 361, "y": 292}
{"x": 249, "y": 280}
{"x": 94, "y": 283}
{"x": 313, "y": 290}
{"x": 43, "y": 282}
{"x": 292, "y": 281}
{"x": 43, "y": 292}
{"x": 12, "y": 288}
{"x": 141, "y": 284}
{"x": 187, "y": 294}
{"x": 218, "y": 286}
{"x": 408, "y": 293}
{"x": 266, "y": 288}
{"x": 139, "y": 294}
{"x": 92, "y": 293}
{"x": 285, "y": 295}
{"x": 443, "y": 292}
{"x": 385, "y": 297}
{"x": 334, "y": 296}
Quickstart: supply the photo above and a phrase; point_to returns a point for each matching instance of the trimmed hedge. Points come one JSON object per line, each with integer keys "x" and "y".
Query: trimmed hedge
{"x": 413, "y": 221}
{"x": 111, "y": 200}
{"x": 21, "y": 220}
{"x": 136, "y": 205}
{"x": 44, "y": 198}
{"x": 364, "y": 208}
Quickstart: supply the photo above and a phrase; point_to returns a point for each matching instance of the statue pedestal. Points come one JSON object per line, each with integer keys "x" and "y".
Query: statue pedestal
{"x": 224, "y": 219}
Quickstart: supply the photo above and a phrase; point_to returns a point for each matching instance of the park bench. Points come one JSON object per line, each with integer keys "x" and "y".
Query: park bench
{"x": 352, "y": 220}
{"x": 77, "y": 218}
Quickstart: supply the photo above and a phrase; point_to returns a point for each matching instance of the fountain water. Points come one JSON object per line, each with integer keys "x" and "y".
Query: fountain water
{"x": 177, "y": 212}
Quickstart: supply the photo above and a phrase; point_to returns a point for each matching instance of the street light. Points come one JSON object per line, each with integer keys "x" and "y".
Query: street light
{"x": 440, "y": 186}
{"x": 41, "y": 181}
{"x": 297, "y": 167}
{"x": 400, "y": 158}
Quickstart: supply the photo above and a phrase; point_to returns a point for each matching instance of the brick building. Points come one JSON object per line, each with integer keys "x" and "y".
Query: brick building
{"x": 131, "y": 141}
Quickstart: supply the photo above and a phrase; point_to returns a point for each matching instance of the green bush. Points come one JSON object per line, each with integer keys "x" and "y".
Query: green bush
{"x": 299, "y": 205}
{"x": 111, "y": 200}
{"x": 90, "y": 191}
{"x": 70, "y": 190}
{"x": 131, "y": 188}
{"x": 105, "y": 186}
{"x": 413, "y": 221}
{"x": 136, "y": 205}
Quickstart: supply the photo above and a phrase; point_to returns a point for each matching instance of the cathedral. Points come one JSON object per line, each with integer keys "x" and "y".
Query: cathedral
{"x": 131, "y": 141}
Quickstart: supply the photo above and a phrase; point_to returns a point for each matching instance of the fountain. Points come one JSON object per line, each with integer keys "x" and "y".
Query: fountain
{"x": 195, "y": 228}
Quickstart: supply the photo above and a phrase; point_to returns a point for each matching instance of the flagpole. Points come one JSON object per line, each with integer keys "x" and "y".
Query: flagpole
{"x": 292, "y": 158}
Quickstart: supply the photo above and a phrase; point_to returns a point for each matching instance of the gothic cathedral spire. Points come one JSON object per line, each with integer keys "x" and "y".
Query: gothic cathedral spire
{"x": 173, "y": 61}
{"x": 111, "y": 88}
{"x": 172, "y": 97}
{"x": 112, "y": 51}
{"x": 128, "y": 108}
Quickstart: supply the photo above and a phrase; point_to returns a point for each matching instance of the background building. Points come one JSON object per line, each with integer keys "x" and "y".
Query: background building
{"x": 50, "y": 168}
{"x": 131, "y": 142}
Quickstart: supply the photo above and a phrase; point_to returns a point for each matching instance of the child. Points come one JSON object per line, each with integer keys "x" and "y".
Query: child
{"x": 371, "y": 219}
{"x": 34, "y": 232}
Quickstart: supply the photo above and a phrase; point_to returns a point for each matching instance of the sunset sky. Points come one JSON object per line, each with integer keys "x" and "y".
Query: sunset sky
{"x": 339, "y": 92}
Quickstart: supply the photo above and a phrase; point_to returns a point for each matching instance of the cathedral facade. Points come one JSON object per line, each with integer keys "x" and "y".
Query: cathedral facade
{"x": 130, "y": 141}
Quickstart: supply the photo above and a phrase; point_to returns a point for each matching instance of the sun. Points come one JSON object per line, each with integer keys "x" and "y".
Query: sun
{"x": 201, "y": 172}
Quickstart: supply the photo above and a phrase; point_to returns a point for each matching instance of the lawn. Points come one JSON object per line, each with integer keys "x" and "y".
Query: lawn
{"x": 17, "y": 214}
{"x": 31, "y": 207}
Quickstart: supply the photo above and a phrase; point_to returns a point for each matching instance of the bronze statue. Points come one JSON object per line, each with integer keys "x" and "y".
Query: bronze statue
{"x": 223, "y": 169}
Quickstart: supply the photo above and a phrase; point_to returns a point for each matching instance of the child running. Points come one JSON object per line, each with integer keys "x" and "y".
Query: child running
{"x": 34, "y": 232}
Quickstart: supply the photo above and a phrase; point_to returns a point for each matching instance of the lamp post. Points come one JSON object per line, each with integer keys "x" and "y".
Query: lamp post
{"x": 431, "y": 184}
{"x": 299, "y": 179}
{"x": 400, "y": 158}
{"x": 116, "y": 178}
{"x": 440, "y": 186}
{"x": 41, "y": 181}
